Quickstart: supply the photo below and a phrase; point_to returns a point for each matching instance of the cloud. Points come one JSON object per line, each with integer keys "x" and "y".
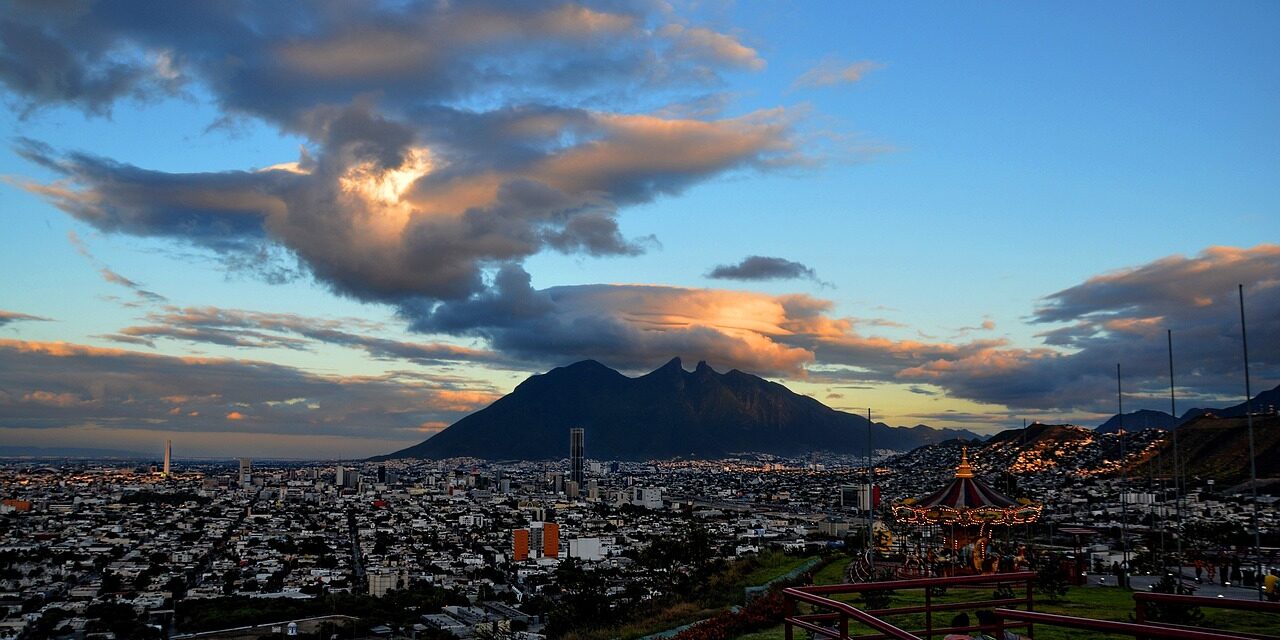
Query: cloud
{"x": 111, "y": 276}
{"x": 9, "y": 317}
{"x": 634, "y": 327}
{"x": 55, "y": 385}
{"x": 698, "y": 42}
{"x": 1122, "y": 317}
{"x": 832, "y": 71}
{"x": 763, "y": 268}
{"x": 254, "y": 329}
{"x": 380, "y": 217}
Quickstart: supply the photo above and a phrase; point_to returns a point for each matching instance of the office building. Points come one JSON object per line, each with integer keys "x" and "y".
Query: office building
{"x": 520, "y": 545}
{"x": 246, "y": 472}
{"x": 168, "y": 456}
{"x": 577, "y": 441}
{"x": 571, "y": 489}
{"x": 382, "y": 474}
{"x": 593, "y": 490}
{"x": 544, "y": 539}
{"x": 550, "y": 540}
{"x": 589, "y": 549}
{"x": 855, "y": 497}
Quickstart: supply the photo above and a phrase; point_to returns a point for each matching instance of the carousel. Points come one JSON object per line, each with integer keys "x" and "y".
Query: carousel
{"x": 967, "y": 511}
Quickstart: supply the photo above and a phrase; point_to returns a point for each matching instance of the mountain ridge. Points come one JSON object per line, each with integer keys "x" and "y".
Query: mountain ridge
{"x": 666, "y": 413}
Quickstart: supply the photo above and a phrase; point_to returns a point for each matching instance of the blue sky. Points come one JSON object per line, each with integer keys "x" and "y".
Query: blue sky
{"x": 1105, "y": 170}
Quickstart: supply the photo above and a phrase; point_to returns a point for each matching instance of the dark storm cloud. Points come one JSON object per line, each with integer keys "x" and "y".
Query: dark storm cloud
{"x": 762, "y": 268}
{"x": 53, "y": 385}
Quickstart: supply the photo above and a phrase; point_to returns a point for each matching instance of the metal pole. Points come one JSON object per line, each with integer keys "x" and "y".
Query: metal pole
{"x": 870, "y": 539}
{"x": 1253, "y": 458}
{"x": 1124, "y": 484}
{"x": 1177, "y": 468}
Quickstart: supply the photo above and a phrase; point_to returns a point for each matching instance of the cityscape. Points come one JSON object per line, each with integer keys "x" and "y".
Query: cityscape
{"x": 639, "y": 320}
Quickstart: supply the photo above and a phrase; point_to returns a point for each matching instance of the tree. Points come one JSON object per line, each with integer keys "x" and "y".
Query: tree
{"x": 1051, "y": 578}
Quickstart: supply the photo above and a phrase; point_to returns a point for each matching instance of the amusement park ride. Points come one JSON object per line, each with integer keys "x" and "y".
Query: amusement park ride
{"x": 966, "y": 510}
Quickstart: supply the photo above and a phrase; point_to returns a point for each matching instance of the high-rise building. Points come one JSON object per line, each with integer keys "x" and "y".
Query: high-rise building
{"x": 382, "y": 474}
{"x": 577, "y": 438}
{"x": 571, "y": 489}
{"x": 593, "y": 490}
{"x": 855, "y": 497}
{"x": 520, "y": 545}
{"x": 246, "y": 472}
{"x": 168, "y": 456}
{"x": 550, "y": 540}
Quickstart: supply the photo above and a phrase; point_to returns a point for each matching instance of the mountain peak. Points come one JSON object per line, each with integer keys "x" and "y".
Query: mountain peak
{"x": 665, "y": 413}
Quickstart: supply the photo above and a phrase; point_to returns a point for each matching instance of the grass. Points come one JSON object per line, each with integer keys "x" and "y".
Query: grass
{"x": 1101, "y": 603}
{"x": 726, "y": 589}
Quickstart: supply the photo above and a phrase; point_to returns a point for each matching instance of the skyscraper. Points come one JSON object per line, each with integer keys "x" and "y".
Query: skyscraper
{"x": 246, "y": 472}
{"x": 168, "y": 456}
{"x": 577, "y": 437}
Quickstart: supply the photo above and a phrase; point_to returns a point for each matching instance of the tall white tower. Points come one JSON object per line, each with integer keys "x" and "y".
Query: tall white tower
{"x": 168, "y": 456}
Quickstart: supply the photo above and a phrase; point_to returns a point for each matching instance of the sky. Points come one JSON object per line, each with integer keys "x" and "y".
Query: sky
{"x": 331, "y": 229}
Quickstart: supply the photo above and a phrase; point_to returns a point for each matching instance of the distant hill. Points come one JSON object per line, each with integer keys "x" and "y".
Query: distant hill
{"x": 667, "y": 413}
{"x": 1265, "y": 402}
{"x": 1139, "y": 420}
{"x": 1217, "y": 447}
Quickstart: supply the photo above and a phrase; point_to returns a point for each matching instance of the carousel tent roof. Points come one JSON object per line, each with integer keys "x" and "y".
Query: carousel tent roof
{"x": 966, "y": 492}
{"x": 967, "y": 500}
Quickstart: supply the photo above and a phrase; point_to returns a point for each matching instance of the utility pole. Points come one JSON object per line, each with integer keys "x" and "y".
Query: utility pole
{"x": 1253, "y": 457}
{"x": 1124, "y": 484}
{"x": 1177, "y": 465}
{"x": 870, "y": 476}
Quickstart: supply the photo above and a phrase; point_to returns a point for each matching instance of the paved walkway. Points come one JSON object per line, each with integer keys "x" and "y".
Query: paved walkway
{"x": 1204, "y": 588}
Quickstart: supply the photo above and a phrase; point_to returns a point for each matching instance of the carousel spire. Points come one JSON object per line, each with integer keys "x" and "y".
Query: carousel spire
{"x": 964, "y": 470}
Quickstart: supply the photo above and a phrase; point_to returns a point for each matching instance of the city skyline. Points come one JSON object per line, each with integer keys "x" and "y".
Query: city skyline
{"x": 255, "y": 238}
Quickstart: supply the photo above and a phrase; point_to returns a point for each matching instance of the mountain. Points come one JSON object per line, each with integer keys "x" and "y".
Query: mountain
{"x": 1139, "y": 420}
{"x": 666, "y": 413}
{"x": 1265, "y": 402}
{"x": 1213, "y": 446}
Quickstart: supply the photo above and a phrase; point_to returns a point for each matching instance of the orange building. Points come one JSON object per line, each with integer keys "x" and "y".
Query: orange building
{"x": 520, "y": 544}
{"x": 18, "y": 505}
{"x": 550, "y": 540}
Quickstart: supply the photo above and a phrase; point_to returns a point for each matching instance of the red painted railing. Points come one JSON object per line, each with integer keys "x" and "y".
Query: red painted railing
{"x": 831, "y": 618}
{"x": 828, "y": 611}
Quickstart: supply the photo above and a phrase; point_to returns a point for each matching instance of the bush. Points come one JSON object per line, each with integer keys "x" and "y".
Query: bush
{"x": 1170, "y": 612}
{"x": 1051, "y": 579}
